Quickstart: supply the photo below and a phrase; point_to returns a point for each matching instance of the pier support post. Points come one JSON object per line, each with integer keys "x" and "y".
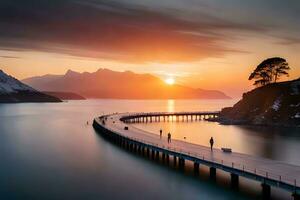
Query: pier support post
{"x": 163, "y": 157}
{"x": 128, "y": 146}
{"x": 125, "y": 144}
{"x": 121, "y": 142}
{"x": 157, "y": 155}
{"x": 152, "y": 154}
{"x": 167, "y": 158}
{"x": 181, "y": 163}
{"x": 234, "y": 181}
{"x": 296, "y": 196}
{"x": 148, "y": 152}
{"x": 175, "y": 161}
{"x": 196, "y": 168}
{"x": 143, "y": 151}
{"x": 213, "y": 173}
{"x": 134, "y": 148}
{"x": 266, "y": 191}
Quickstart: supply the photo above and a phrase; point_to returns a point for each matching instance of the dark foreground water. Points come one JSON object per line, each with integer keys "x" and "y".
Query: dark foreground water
{"x": 47, "y": 151}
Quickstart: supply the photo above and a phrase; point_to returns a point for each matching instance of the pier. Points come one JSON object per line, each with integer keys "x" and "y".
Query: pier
{"x": 169, "y": 116}
{"x": 270, "y": 173}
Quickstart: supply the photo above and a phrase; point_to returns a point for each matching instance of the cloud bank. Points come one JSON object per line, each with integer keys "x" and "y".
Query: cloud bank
{"x": 125, "y": 30}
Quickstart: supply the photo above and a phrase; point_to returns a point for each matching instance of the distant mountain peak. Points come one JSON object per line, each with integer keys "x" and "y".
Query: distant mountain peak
{"x": 102, "y": 69}
{"x": 130, "y": 72}
{"x": 105, "y": 70}
{"x": 71, "y": 73}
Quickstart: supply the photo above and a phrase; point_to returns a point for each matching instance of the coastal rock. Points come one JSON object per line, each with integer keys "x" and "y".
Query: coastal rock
{"x": 273, "y": 104}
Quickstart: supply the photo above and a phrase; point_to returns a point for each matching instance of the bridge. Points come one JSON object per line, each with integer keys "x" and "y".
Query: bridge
{"x": 270, "y": 173}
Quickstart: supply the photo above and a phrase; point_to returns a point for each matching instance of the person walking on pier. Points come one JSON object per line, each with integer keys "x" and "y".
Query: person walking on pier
{"x": 169, "y": 137}
{"x": 160, "y": 133}
{"x": 211, "y": 141}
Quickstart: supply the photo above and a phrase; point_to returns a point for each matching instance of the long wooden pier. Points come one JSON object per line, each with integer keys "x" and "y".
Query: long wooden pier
{"x": 117, "y": 128}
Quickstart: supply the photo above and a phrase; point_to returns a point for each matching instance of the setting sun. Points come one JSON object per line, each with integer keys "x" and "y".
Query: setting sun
{"x": 170, "y": 81}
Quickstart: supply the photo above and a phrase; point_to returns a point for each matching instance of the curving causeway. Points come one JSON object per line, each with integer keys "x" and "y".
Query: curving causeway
{"x": 270, "y": 173}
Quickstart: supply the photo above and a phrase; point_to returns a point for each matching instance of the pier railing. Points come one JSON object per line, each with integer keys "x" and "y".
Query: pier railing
{"x": 149, "y": 114}
{"x": 263, "y": 173}
{"x": 234, "y": 165}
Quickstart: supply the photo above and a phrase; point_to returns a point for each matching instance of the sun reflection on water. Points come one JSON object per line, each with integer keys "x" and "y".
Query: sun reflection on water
{"x": 171, "y": 105}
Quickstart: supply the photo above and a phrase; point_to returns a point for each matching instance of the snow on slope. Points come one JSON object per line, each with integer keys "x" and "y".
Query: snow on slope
{"x": 9, "y": 84}
{"x": 277, "y": 104}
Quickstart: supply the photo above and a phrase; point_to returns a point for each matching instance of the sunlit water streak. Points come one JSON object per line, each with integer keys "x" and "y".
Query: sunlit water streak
{"x": 48, "y": 151}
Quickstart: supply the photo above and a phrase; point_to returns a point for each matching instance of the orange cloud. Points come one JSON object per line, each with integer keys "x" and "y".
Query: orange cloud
{"x": 117, "y": 31}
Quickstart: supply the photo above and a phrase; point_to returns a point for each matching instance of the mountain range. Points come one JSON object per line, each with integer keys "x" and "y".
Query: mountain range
{"x": 106, "y": 83}
{"x": 14, "y": 91}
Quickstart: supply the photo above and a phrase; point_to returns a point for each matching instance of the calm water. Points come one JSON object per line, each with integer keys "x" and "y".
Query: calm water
{"x": 48, "y": 152}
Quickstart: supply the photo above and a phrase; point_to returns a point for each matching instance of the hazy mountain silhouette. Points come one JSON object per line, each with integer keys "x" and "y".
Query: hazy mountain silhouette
{"x": 65, "y": 95}
{"x": 106, "y": 83}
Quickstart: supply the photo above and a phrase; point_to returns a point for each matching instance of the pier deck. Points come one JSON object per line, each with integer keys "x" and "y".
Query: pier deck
{"x": 268, "y": 172}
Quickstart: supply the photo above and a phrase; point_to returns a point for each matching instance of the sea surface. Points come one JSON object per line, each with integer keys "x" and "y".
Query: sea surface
{"x": 51, "y": 151}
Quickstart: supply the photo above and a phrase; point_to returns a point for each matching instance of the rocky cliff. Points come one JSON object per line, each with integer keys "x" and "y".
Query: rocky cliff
{"x": 273, "y": 104}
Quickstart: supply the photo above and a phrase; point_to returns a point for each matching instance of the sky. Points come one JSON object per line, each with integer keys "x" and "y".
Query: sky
{"x": 209, "y": 44}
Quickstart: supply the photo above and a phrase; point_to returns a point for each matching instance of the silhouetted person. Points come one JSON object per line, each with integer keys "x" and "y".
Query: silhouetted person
{"x": 211, "y": 141}
{"x": 160, "y": 133}
{"x": 169, "y": 137}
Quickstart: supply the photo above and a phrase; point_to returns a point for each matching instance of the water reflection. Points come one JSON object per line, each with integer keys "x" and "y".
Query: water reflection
{"x": 171, "y": 105}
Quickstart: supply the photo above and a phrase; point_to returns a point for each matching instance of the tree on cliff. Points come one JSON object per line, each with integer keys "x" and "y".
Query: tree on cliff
{"x": 269, "y": 71}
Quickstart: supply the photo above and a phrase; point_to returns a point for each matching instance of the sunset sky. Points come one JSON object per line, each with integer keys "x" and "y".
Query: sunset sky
{"x": 210, "y": 44}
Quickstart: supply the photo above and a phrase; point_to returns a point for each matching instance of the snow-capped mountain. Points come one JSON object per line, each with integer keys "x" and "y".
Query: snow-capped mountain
{"x": 9, "y": 84}
{"x": 13, "y": 91}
